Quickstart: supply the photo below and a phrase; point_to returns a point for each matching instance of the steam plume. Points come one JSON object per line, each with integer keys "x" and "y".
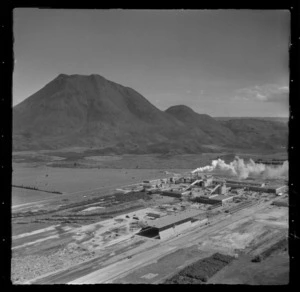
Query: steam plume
{"x": 243, "y": 170}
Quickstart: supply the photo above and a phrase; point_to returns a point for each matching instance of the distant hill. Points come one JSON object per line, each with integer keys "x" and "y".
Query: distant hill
{"x": 203, "y": 126}
{"x": 259, "y": 132}
{"x": 272, "y": 119}
{"x": 91, "y": 111}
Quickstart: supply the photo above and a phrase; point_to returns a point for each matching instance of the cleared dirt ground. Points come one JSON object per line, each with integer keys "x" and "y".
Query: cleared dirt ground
{"x": 90, "y": 253}
{"x": 147, "y": 264}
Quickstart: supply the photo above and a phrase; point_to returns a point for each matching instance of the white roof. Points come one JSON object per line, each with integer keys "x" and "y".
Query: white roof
{"x": 172, "y": 219}
{"x": 221, "y": 197}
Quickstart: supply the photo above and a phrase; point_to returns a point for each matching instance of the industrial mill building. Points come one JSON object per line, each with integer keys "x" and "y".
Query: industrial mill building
{"x": 168, "y": 226}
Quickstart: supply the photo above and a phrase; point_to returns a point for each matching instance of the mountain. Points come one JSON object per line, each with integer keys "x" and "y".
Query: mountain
{"x": 265, "y": 134}
{"x": 80, "y": 110}
{"x": 91, "y": 111}
{"x": 203, "y": 126}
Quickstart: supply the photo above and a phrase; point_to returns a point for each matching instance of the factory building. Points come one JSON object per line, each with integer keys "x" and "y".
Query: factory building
{"x": 281, "y": 189}
{"x": 235, "y": 186}
{"x": 273, "y": 190}
{"x": 208, "y": 201}
{"x": 281, "y": 203}
{"x": 155, "y": 181}
{"x": 150, "y": 183}
{"x": 208, "y": 181}
{"x": 164, "y": 180}
{"x": 224, "y": 199}
{"x": 214, "y": 200}
{"x": 245, "y": 183}
{"x": 222, "y": 189}
{"x": 255, "y": 188}
{"x": 251, "y": 188}
{"x": 179, "y": 180}
{"x": 261, "y": 189}
{"x": 170, "y": 193}
{"x": 218, "y": 181}
{"x": 171, "y": 225}
{"x": 153, "y": 215}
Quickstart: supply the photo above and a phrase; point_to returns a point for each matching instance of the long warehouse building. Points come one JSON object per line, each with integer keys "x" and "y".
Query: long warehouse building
{"x": 168, "y": 226}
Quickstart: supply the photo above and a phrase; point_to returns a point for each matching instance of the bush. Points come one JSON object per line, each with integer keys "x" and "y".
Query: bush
{"x": 257, "y": 259}
{"x": 223, "y": 258}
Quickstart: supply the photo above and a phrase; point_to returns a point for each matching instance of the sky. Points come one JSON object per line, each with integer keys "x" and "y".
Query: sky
{"x": 218, "y": 62}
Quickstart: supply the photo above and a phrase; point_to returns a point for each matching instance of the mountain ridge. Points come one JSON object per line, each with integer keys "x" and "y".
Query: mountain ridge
{"x": 91, "y": 111}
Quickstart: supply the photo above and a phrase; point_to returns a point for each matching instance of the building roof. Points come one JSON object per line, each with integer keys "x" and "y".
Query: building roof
{"x": 221, "y": 197}
{"x": 254, "y": 183}
{"x": 153, "y": 215}
{"x": 176, "y": 192}
{"x": 174, "y": 219}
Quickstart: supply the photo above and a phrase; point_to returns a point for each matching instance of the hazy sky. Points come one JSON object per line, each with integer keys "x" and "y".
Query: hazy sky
{"x": 219, "y": 62}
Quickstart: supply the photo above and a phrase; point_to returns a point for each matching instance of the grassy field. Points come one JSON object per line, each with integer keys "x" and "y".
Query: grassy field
{"x": 272, "y": 271}
{"x": 90, "y": 159}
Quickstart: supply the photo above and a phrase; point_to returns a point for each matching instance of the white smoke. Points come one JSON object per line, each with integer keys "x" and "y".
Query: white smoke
{"x": 243, "y": 170}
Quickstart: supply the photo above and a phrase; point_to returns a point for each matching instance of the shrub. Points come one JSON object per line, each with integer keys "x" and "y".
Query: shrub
{"x": 204, "y": 279}
{"x": 257, "y": 259}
